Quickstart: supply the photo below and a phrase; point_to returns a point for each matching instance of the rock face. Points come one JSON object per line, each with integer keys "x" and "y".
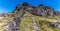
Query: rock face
{"x": 54, "y": 25}
{"x": 41, "y": 10}
{"x": 35, "y": 25}
{"x": 14, "y": 25}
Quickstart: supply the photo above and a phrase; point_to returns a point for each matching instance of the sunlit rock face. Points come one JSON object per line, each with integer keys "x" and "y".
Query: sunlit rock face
{"x": 40, "y": 10}
{"x": 54, "y": 25}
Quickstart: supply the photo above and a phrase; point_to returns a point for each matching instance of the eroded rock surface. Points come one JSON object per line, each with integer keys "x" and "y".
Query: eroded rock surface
{"x": 54, "y": 25}
{"x": 41, "y": 10}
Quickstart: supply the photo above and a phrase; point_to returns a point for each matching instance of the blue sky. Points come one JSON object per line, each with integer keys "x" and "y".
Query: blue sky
{"x": 9, "y": 5}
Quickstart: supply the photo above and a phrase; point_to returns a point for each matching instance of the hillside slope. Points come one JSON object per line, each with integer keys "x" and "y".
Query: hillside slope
{"x": 30, "y": 18}
{"x": 27, "y": 23}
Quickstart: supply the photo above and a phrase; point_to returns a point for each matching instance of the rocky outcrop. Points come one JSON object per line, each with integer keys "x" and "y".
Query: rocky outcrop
{"x": 35, "y": 25}
{"x": 54, "y": 25}
{"x": 41, "y": 10}
{"x": 14, "y": 25}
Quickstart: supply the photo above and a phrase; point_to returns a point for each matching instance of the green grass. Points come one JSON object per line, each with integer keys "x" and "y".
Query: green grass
{"x": 27, "y": 23}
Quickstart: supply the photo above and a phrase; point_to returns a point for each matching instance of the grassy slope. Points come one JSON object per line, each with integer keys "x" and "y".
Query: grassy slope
{"x": 27, "y": 24}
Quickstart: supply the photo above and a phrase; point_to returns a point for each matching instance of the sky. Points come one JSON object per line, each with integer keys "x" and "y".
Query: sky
{"x": 9, "y": 5}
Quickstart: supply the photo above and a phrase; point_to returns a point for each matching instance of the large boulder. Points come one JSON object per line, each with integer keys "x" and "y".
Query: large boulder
{"x": 54, "y": 25}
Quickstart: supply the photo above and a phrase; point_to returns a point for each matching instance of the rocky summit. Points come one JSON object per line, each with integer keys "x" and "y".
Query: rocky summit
{"x": 40, "y": 10}
{"x": 26, "y": 17}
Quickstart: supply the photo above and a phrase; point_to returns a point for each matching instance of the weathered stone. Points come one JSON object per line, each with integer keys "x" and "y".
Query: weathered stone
{"x": 35, "y": 25}
{"x": 54, "y": 25}
{"x": 25, "y": 4}
{"x": 15, "y": 23}
{"x": 41, "y": 10}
